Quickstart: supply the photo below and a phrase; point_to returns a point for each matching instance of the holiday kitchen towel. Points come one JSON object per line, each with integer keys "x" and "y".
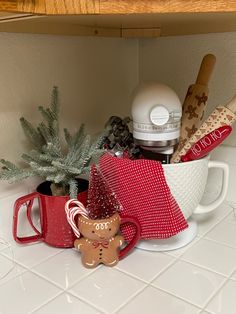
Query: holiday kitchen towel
{"x": 141, "y": 188}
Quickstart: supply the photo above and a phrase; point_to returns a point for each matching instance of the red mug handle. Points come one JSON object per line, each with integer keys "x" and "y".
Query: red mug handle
{"x": 131, "y": 244}
{"x": 27, "y": 200}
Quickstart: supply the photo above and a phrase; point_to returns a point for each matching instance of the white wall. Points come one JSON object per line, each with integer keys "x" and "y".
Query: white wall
{"x": 175, "y": 61}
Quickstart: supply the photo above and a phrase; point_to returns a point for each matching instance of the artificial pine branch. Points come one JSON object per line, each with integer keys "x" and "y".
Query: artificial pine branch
{"x": 45, "y": 113}
{"x": 47, "y": 159}
{"x": 67, "y": 136}
{"x": 65, "y": 168}
{"x": 73, "y": 188}
{"x": 54, "y": 107}
{"x": 33, "y": 158}
{"x": 11, "y": 172}
{"x": 33, "y": 135}
{"x": 7, "y": 165}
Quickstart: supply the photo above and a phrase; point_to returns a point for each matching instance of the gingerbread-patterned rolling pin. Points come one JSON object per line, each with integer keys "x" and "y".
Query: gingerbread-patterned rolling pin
{"x": 195, "y": 103}
{"x": 222, "y": 115}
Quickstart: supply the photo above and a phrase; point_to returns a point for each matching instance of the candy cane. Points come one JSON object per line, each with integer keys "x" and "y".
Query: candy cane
{"x": 71, "y": 212}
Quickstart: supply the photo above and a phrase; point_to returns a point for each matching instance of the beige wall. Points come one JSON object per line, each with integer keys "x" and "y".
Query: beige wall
{"x": 95, "y": 77}
{"x": 175, "y": 61}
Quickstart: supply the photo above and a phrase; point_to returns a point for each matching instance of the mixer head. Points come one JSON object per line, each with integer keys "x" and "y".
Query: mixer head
{"x": 156, "y": 113}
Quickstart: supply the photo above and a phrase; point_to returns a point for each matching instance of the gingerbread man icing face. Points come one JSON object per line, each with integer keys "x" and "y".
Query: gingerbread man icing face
{"x": 99, "y": 243}
{"x": 99, "y": 229}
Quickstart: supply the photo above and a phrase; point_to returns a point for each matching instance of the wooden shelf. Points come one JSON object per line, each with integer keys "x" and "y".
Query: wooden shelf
{"x": 116, "y": 6}
{"x": 118, "y": 18}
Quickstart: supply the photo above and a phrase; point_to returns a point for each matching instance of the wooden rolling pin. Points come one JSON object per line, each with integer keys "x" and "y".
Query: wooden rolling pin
{"x": 195, "y": 103}
{"x": 207, "y": 143}
{"x": 222, "y": 115}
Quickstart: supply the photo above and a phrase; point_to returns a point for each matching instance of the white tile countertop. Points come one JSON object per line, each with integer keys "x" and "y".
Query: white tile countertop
{"x": 198, "y": 278}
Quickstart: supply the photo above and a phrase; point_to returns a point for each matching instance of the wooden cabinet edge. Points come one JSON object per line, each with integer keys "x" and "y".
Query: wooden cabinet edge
{"x": 163, "y": 6}
{"x": 109, "y": 18}
{"x": 58, "y": 7}
{"x": 52, "y": 7}
{"x": 30, "y": 26}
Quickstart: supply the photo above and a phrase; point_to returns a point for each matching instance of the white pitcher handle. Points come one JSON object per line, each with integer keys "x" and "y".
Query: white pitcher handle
{"x": 202, "y": 209}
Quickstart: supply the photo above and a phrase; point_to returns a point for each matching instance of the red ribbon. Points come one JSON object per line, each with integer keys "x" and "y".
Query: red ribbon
{"x": 103, "y": 244}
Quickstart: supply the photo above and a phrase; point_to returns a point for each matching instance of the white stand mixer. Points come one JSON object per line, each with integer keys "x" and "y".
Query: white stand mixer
{"x": 156, "y": 112}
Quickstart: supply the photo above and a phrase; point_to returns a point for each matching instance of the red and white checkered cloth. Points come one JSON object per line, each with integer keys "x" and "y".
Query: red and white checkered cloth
{"x": 141, "y": 188}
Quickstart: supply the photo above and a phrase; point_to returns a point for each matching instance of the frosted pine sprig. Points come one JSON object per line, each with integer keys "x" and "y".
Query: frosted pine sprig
{"x": 33, "y": 135}
{"x": 48, "y": 159}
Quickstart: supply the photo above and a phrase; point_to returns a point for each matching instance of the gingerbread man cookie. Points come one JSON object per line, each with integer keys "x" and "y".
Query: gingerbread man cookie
{"x": 99, "y": 243}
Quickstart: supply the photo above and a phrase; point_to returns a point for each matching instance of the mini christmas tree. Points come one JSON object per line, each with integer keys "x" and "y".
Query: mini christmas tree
{"x": 102, "y": 202}
{"x": 48, "y": 159}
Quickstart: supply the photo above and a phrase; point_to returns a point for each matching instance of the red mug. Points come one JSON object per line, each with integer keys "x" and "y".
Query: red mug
{"x": 98, "y": 229}
{"x": 55, "y": 230}
{"x": 137, "y": 236}
{"x": 99, "y": 240}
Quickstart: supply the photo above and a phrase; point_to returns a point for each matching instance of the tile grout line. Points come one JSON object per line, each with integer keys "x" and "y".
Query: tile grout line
{"x": 14, "y": 277}
{"x": 202, "y": 236}
{"x": 45, "y": 303}
{"x": 66, "y": 290}
{"x": 147, "y": 281}
{"x": 215, "y": 224}
{"x": 148, "y": 284}
{"x": 29, "y": 267}
{"x": 213, "y": 241}
{"x": 180, "y": 258}
{"x": 220, "y": 243}
{"x": 136, "y": 294}
{"x": 165, "y": 269}
{"x": 130, "y": 299}
{"x": 92, "y": 272}
{"x": 120, "y": 271}
{"x": 205, "y": 268}
{"x": 197, "y": 239}
{"x": 74, "y": 296}
{"x": 214, "y": 294}
{"x": 208, "y": 269}
{"x": 175, "y": 296}
{"x": 29, "y": 271}
{"x": 56, "y": 284}
{"x": 178, "y": 297}
{"x": 177, "y": 259}
{"x": 46, "y": 279}
{"x": 132, "y": 275}
{"x": 204, "y": 311}
{"x": 85, "y": 302}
